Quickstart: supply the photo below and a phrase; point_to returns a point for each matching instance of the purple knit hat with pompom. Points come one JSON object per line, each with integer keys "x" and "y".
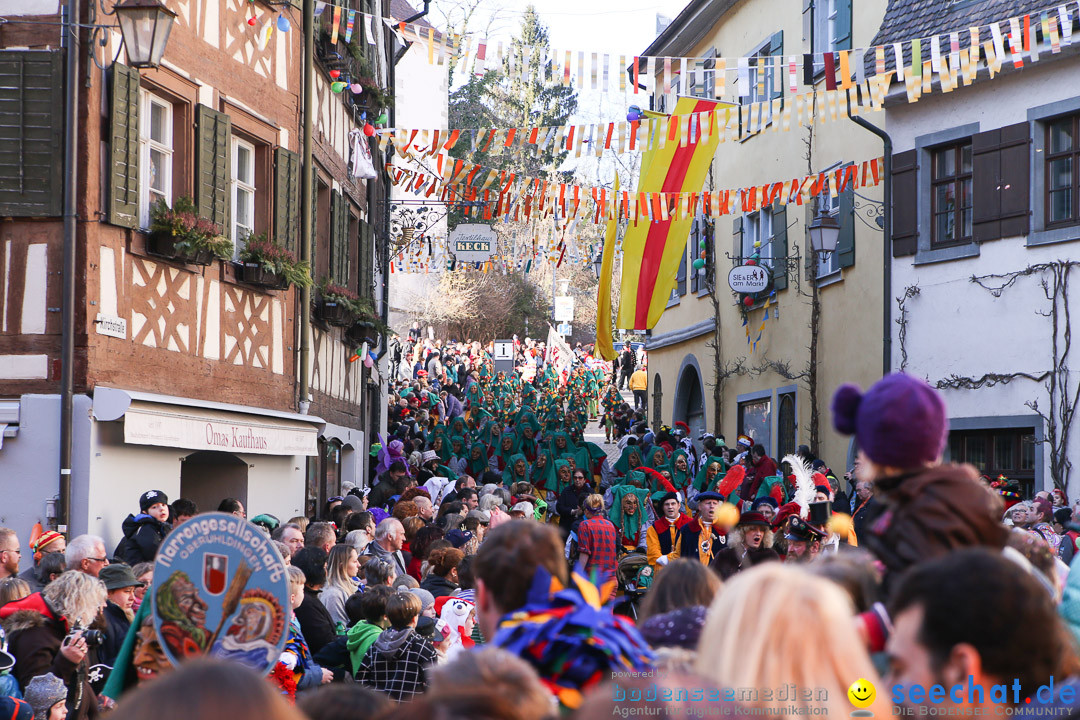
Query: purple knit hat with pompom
{"x": 900, "y": 422}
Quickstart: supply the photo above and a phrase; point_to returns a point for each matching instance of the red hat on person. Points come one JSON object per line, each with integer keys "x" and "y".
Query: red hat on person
{"x": 44, "y": 539}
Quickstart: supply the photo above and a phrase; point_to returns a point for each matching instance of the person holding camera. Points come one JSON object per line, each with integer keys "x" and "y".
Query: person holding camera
{"x": 47, "y": 633}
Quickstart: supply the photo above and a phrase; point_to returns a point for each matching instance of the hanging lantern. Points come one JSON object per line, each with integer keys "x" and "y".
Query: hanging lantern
{"x": 356, "y": 88}
{"x": 382, "y": 119}
{"x": 703, "y": 245}
{"x": 369, "y": 130}
{"x": 702, "y": 255}
{"x": 757, "y": 243}
{"x": 283, "y": 23}
{"x": 335, "y": 74}
{"x": 748, "y": 301}
{"x": 699, "y": 264}
{"x": 144, "y": 26}
{"x": 337, "y": 87}
{"x": 751, "y": 262}
{"x": 251, "y": 21}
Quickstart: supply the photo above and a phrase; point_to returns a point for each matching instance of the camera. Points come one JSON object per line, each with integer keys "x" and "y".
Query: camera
{"x": 93, "y": 638}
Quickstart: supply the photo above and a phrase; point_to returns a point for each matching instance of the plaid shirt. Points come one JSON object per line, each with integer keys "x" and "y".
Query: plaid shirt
{"x": 596, "y": 537}
{"x": 402, "y": 675}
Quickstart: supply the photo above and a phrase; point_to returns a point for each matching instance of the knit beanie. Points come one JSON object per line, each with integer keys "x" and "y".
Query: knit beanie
{"x": 150, "y": 498}
{"x": 900, "y": 422}
{"x": 43, "y": 692}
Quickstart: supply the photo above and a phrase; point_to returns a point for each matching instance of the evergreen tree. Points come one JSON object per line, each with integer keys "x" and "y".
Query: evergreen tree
{"x": 503, "y": 99}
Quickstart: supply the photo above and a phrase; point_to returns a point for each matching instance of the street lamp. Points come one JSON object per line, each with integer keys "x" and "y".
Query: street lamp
{"x": 598, "y": 263}
{"x": 145, "y": 26}
{"x": 824, "y": 233}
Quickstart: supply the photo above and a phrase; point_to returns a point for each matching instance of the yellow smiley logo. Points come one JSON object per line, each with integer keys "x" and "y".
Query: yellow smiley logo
{"x": 861, "y": 693}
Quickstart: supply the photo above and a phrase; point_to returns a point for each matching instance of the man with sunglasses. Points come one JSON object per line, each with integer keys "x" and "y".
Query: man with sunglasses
{"x": 10, "y": 554}
{"x": 86, "y": 553}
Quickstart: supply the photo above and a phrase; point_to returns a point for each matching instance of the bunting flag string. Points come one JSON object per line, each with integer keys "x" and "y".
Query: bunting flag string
{"x": 583, "y": 67}
{"x": 727, "y": 123}
{"x": 917, "y": 63}
{"x": 519, "y": 199}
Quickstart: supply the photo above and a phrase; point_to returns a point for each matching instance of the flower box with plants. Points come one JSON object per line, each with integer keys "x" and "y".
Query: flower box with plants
{"x": 337, "y": 305}
{"x": 178, "y": 233}
{"x": 367, "y": 329}
{"x": 269, "y": 265}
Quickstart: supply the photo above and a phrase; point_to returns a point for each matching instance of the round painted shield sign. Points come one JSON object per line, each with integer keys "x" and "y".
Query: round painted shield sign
{"x": 220, "y": 589}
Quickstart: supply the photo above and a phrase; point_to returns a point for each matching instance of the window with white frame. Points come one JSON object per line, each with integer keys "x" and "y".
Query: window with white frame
{"x": 757, "y": 227}
{"x": 824, "y": 19}
{"x": 155, "y": 154}
{"x": 762, "y": 78}
{"x": 243, "y": 192}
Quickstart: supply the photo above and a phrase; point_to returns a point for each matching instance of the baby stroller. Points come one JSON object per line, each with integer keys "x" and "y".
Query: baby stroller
{"x": 634, "y": 576}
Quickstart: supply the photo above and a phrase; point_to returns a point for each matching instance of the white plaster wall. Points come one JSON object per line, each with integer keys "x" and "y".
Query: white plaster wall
{"x": 119, "y": 473}
{"x": 955, "y": 327}
{"x": 421, "y": 93}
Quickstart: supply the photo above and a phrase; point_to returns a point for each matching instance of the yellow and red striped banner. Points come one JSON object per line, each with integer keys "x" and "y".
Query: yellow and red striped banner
{"x": 652, "y": 250}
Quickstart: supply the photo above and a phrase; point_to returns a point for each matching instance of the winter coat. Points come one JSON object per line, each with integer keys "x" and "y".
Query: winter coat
{"x": 396, "y": 664}
{"x": 142, "y": 535}
{"x": 116, "y": 628}
{"x": 926, "y": 514}
{"x": 333, "y": 599}
{"x": 315, "y": 621}
{"x": 569, "y": 501}
{"x": 35, "y": 632}
{"x": 438, "y": 586}
{"x": 30, "y": 575}
{"x": 361, "y": 637}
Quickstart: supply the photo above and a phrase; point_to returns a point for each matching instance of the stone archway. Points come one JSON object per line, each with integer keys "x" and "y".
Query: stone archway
{"x": 689, "y": 404}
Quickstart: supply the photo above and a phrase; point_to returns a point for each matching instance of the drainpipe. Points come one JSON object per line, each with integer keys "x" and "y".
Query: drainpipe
{"x": 307, "y": 179}
{"x": 70, "y": 40}
{"x": 886, "y": 216}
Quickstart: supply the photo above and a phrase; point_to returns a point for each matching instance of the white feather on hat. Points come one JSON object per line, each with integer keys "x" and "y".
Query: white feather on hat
{"x": 804, "y": 483}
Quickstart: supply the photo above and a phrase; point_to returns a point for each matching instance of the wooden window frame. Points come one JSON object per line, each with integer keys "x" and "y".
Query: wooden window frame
{"x": 184, "y": 95}
{"x": 1026, "y": 477}
{"x": 1074, "y": 154}
{"x": 956, "y": 180}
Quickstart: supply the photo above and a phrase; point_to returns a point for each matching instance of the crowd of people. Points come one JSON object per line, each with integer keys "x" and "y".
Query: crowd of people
{"x": 499, "y": 564}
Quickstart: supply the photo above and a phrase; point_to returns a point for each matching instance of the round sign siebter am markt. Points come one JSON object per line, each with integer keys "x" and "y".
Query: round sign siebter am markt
{"x": 748, "y": 278}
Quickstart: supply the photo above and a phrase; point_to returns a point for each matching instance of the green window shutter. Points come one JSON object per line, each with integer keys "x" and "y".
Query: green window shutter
{"x": 779, "y": 247}
{"x": 122, "y": 204}
{"x": 213, "y": 166}
{"x": 364, "y": 271}
{"x": 286, "y": 199}
{"x": 776, "y": 49}
{"x": 736, "y": 241}
{"x": 339, "y": 238}
{"x": 845, "y": 244}
{"x": 843, "y": 25}
{"x": 31, "y": 133}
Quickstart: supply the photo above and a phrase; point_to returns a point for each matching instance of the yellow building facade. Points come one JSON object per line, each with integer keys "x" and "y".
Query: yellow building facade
{"x": 702, "y": 369}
